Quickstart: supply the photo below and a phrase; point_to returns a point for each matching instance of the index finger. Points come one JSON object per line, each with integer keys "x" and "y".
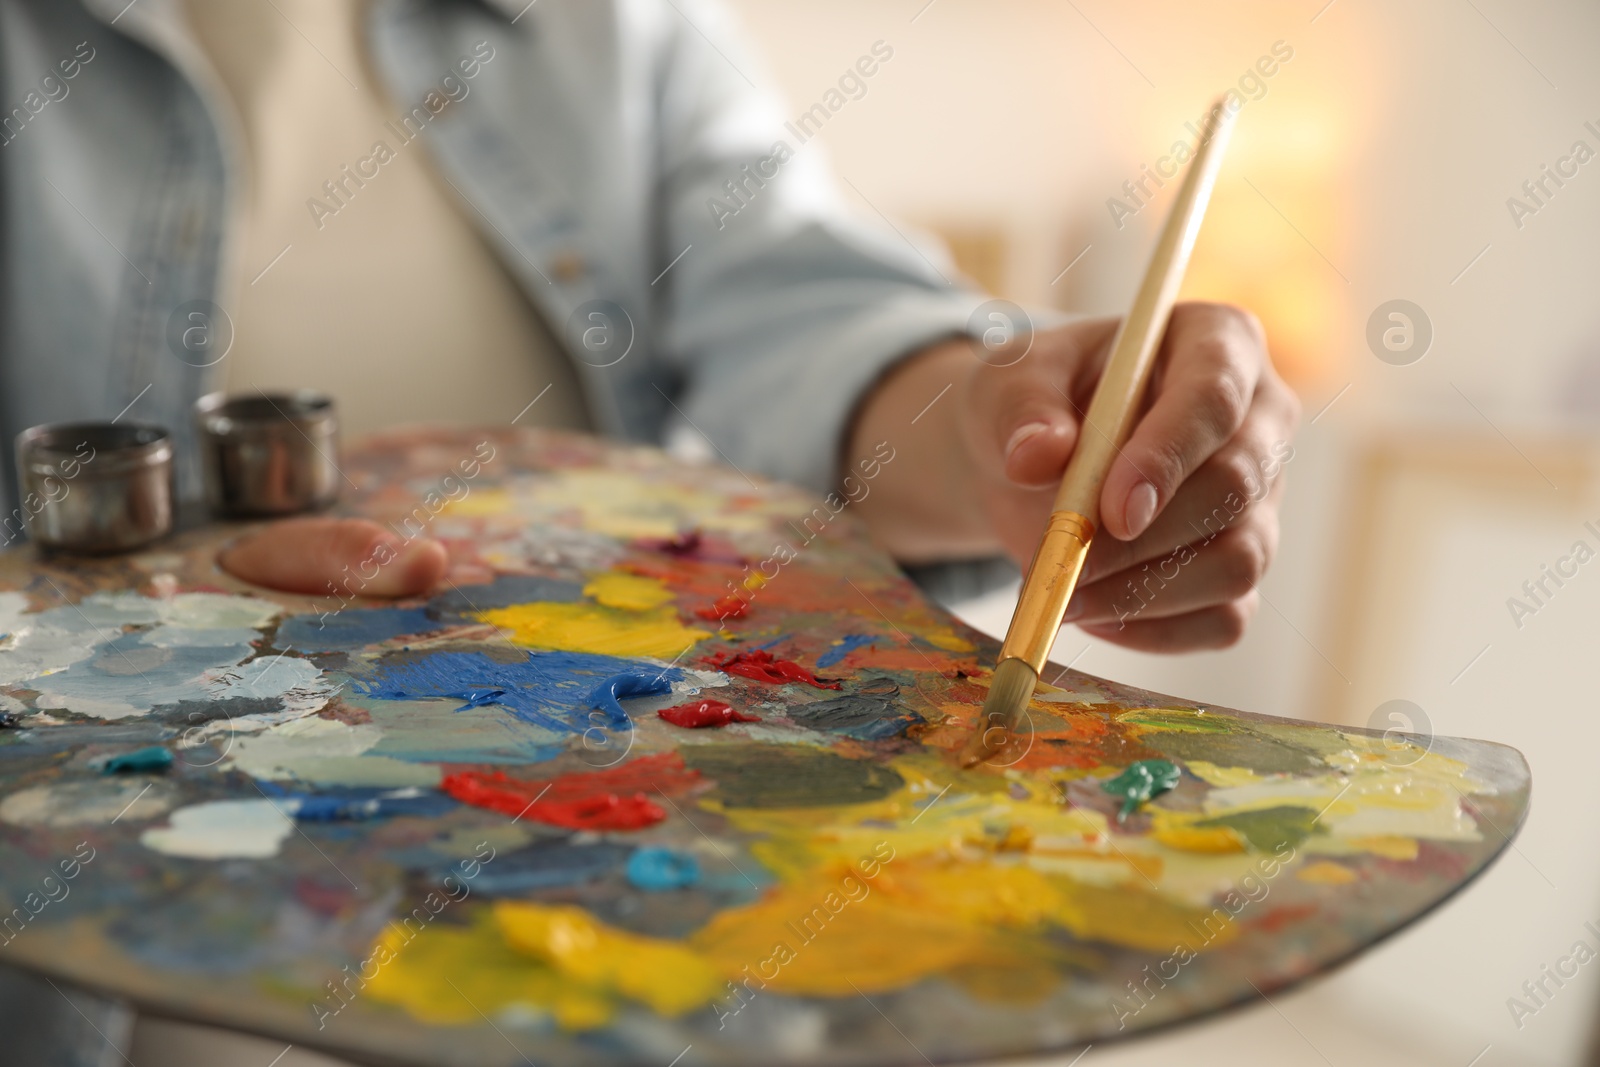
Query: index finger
{"x": 1212, "y": 359}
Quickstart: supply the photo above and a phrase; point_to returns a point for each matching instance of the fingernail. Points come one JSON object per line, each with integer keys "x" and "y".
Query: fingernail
{"x": 1140, "y": 508}
{"x": 1022, "y": 433}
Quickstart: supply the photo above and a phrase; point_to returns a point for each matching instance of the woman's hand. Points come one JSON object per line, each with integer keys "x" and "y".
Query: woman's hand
{"x": 1190, "y": 504}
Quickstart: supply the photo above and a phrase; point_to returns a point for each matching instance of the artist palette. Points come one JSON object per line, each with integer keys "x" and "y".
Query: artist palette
{"x": 457, "y": 831}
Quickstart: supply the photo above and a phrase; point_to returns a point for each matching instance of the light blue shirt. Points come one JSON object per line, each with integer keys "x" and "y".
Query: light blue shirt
{"x": 606, "y": 143}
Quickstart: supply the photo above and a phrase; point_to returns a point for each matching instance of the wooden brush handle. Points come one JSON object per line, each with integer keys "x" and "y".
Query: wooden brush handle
{"x": 1116, "y": 402}
{"x": 1053, "y": 575}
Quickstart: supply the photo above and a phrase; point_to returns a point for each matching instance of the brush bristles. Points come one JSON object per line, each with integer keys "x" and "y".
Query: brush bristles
{"x": 1010, "y": 688}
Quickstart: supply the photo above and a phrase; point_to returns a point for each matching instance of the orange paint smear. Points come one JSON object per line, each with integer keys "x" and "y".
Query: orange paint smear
{"x": 613, "y": 799}
{"x": 727, "y": 607}
{"x": 1277, "y": 919}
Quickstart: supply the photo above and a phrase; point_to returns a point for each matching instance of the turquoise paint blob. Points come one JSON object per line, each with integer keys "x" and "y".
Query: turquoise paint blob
{"x": 1141, "y": 782}
{"x": 608, "y": 694}
{"x": 154, "y": 758}
{"x": 843, "y": 647}
{"x": 556, "y": 690}
{"x": 656, "y": 870}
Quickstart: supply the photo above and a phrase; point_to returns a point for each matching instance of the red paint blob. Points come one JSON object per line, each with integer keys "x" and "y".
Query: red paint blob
{"x": 612, "y": 799}
{"x": 761, "y": 665}
{"x": 692, "y": 545}
{"x": 728, "y": 607}
{"x": 699, "y": 714}
{"x": 686, "y": 543}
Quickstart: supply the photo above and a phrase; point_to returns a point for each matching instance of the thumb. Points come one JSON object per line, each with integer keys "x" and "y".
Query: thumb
{"x": 356, "y": 556}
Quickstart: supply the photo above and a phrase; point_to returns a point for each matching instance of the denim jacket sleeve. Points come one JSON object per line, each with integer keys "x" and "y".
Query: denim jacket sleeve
{"x": 785, "y": 306}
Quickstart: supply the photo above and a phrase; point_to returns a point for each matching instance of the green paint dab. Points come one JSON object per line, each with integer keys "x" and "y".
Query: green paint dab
{"x": 1269, "y": 829}
{"x": 1142, "y": 781}
{"x": 1189, "y": 722}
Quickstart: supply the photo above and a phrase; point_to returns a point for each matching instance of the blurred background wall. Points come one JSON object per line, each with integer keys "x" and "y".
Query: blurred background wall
{"x": 1373, "y": 164}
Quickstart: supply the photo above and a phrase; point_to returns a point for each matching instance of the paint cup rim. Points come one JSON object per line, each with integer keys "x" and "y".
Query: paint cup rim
{"x": 116, "y": 447}
{"x": 225, "y": 415}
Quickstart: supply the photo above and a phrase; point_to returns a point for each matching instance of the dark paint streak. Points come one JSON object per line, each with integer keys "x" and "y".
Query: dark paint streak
{"x": 789, "y": 776}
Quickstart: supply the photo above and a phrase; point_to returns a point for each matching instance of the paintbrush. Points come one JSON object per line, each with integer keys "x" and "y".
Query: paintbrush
{"x": 1053, "y": 574}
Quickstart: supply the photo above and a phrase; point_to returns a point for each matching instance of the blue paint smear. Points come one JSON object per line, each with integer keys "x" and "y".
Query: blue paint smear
{"x": 556, "y": 690}
{"x": 154, "y": 758}
{"x": 350, "y": 803}
{"x": 660, "y": 869}
{"x": 843, "y": 647}
{"x": 124, "y": 670}
{"x": 608, "y": 694}
{"x": 353, "y": 628}
{"x": 479, "y": 698}
{"x": 549, "y": 865}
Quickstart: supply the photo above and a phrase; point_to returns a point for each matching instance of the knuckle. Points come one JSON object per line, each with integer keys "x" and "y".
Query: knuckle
{"x": 1232, "y": 620}
{"x": 1247, "y": 321}
{"x": 1241, "y": 480}
{"x": 1245, "y": 562}
{"x": 1222, "y": 395}
{"x": 1232, "y": 397}
{"x": 1231, "y": 317}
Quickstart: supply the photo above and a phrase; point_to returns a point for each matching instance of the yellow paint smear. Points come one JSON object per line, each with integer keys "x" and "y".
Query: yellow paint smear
{"x": 834, "y": 935}
{"x": 1221, "y": 777}
{"x": 663, "y": 974}
{"x": 447, "y": 972}
{"x": 1324, "y": 872}
{"x": 481, "y": 504}
{"x": 558, "y": 959}
{"x": 627, "y": 592}
{"x": 794, "y": 843}
{"x": 596, "y": 628}
{"x": 947, "y": 639}
{"x": 624, "y": 505}
{"x": 1206, "y": 839}
{"x": 1404, "y": 849}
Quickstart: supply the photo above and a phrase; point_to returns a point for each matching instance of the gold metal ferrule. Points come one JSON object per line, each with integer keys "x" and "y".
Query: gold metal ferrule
{"x": 1051, "y": 578}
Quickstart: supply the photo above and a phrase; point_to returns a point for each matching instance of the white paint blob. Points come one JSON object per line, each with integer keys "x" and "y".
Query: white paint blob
{"x": 222, "y": 829}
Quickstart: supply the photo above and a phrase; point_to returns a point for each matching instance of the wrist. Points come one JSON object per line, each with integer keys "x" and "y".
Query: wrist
{"x": 922, "y": 507}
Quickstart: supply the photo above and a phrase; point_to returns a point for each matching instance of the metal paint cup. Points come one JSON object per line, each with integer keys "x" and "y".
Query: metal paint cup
{"x": 95, "y": 487}
{"x": 269, "y": 454}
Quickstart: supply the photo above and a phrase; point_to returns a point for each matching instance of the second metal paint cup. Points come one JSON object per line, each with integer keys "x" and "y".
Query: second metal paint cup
{"x": 269, "y": 453}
